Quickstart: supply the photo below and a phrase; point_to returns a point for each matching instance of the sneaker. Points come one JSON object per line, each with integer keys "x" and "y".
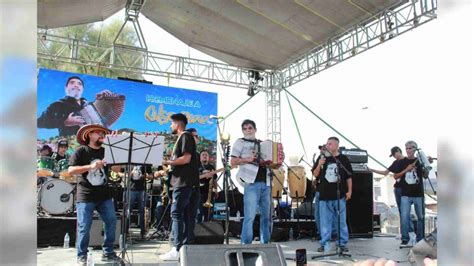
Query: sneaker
{"x": 82, "y": 261}
{"x": 404, "y": 244}
{"x": 173, "y": 254}
{"x": 321, "y": 249}
{"x": 110, "y": 257}
{"x": 344, "y": 249}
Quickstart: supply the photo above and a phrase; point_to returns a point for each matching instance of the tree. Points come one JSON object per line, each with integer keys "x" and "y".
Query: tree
{"x": 92, "y": 33}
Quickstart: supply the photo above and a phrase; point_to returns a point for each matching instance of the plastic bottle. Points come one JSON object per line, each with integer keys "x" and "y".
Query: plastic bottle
{"x": 90, "y": 258}
{"x": 66, "y": 240}
{"x": 238, "y": 215}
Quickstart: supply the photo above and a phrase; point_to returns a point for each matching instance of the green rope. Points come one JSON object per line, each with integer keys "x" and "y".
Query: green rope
{"x": 238, "y": 107}
{"x": 296, "y": 124}
{"x": 335, "y": 130}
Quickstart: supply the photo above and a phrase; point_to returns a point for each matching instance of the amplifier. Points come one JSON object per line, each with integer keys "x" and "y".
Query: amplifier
{"x": 355, "y": 155}
{"x": 360, "y": 167}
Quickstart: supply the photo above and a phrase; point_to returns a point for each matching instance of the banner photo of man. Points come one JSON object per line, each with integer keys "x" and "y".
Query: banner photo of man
{"x": 67, "y": 101}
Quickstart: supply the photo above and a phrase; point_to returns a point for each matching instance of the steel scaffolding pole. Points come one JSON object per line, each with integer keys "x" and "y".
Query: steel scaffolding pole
{"x": 273, "y": 111}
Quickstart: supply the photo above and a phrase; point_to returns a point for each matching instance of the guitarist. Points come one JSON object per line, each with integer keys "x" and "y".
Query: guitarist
{"x": 185, "y": 179}
{"x": 206, "y": 172}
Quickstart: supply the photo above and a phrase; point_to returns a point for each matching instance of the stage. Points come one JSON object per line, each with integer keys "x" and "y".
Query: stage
{"x": 147, "y": 252}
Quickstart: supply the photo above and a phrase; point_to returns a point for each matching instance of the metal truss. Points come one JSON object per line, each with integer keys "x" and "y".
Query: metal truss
{"x": 380, "y": 28}
{"x": 139, "y": 60}
{"x": 273, "y": 113}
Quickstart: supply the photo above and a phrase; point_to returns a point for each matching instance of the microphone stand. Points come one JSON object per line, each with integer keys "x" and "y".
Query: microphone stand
{"x": 225, "y": 163}
{"x": 339, "y": 251}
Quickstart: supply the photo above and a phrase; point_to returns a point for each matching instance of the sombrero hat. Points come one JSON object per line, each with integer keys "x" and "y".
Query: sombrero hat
{"x": 84, "y": 131}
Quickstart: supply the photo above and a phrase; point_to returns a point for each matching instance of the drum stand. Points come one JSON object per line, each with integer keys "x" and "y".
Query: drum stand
{"x": 297, "y": 201}
{"x": 339, "y": 251}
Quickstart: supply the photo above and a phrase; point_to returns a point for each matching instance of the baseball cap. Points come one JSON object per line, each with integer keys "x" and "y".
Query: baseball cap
{"x": 394, "y": 150}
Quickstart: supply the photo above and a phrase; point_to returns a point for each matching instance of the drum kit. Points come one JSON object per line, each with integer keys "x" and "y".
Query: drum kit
{"x": 55, "y": 187}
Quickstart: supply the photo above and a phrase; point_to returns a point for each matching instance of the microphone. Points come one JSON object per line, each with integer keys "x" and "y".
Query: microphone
{"x": 216, "y": 117}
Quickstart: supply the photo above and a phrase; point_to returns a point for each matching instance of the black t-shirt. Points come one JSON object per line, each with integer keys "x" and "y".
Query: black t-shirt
{"x": 395, "y": 168}
{"x": 188, "y": 174}
{"x": 328, "y": 178}
{"x": 411, "y": 182}
{"x": 137, "y": 180}
{"x": 204, "y": 183}
{"x": 55, "y": 115}
{"x": 57, "y": 157}
{"x": 91, "y": 185}
{"x": 261, "y": 174}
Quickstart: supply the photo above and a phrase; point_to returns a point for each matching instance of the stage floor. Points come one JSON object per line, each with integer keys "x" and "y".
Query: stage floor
{"x": 147, "y": 252}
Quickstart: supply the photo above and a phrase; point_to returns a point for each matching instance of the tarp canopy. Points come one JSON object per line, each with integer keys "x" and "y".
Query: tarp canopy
{"x": 257, "y": 34}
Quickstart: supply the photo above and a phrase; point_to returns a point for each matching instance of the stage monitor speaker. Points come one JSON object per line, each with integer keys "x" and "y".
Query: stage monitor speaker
{"x": 209, "y": 233}
{"x": 230, "y": 255}
{"x": 97, "y": 232}
{"x": 360, "y": 207}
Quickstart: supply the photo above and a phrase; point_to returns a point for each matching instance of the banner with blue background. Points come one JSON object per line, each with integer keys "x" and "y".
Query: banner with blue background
{"x": 146, "y": 107}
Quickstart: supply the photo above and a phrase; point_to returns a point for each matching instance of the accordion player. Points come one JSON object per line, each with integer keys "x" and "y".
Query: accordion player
{"x": 105, "y": 110}
{"x": 272, "y": 153}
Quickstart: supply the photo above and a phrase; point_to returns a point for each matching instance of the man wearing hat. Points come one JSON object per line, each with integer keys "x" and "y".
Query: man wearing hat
{"x": 394, "y": 168}
{"x": 185, "y": 179}
{"x": 61, "y": 154}
{"x": 396, "y": 153}
{"x": 46, "y": 150}
{"x": 88, "y": 163}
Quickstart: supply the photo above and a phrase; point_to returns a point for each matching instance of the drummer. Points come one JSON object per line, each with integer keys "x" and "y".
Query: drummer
{"x": 60, "y": 153}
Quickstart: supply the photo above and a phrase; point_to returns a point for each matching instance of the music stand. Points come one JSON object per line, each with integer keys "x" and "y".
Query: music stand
{"x": 132, "y": 150}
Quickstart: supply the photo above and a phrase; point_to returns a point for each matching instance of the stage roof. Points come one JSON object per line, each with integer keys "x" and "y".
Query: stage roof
{"x": 257, "y": 34}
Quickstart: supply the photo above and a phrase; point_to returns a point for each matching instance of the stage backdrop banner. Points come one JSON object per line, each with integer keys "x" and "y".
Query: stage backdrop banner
{"x": 119, "y": 105}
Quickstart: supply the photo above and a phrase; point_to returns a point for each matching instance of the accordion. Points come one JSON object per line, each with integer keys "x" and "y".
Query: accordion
{"x": 106, "y": 109}
{"x": 272, "y": 153}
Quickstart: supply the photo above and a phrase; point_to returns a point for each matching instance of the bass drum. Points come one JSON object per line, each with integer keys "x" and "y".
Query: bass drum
{"x": 56, "y": 197}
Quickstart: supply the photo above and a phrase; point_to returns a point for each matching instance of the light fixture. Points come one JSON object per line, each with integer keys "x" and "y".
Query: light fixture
{"x": 251, "y": 90}
{"x": 254, "y": 78}
{"x": 225, "y": 138}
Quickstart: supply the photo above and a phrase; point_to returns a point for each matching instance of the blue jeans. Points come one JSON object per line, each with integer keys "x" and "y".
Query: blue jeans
{"x": 256, "y": 195}
{"x": 398, "y": 198}
{"x": 317, "y": 215}
{"x": 328, "y": 213}
{"x": 181, "y": 197}
{"x": 317, "y": 221}
{"x": 84, "y": 222}
{"x": 139, "y": 198}
{"x": 406, "y": 203}
{"x": 191, "y": 216}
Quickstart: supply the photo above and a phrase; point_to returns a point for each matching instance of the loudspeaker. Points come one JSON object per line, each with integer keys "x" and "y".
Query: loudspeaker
{"x": 209, "y": 233}
{"x": 360, "y": 207}
{"x": 97, "y": 232}
{"x": 305, "y": 210}
{"x": 260, "y": 254}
